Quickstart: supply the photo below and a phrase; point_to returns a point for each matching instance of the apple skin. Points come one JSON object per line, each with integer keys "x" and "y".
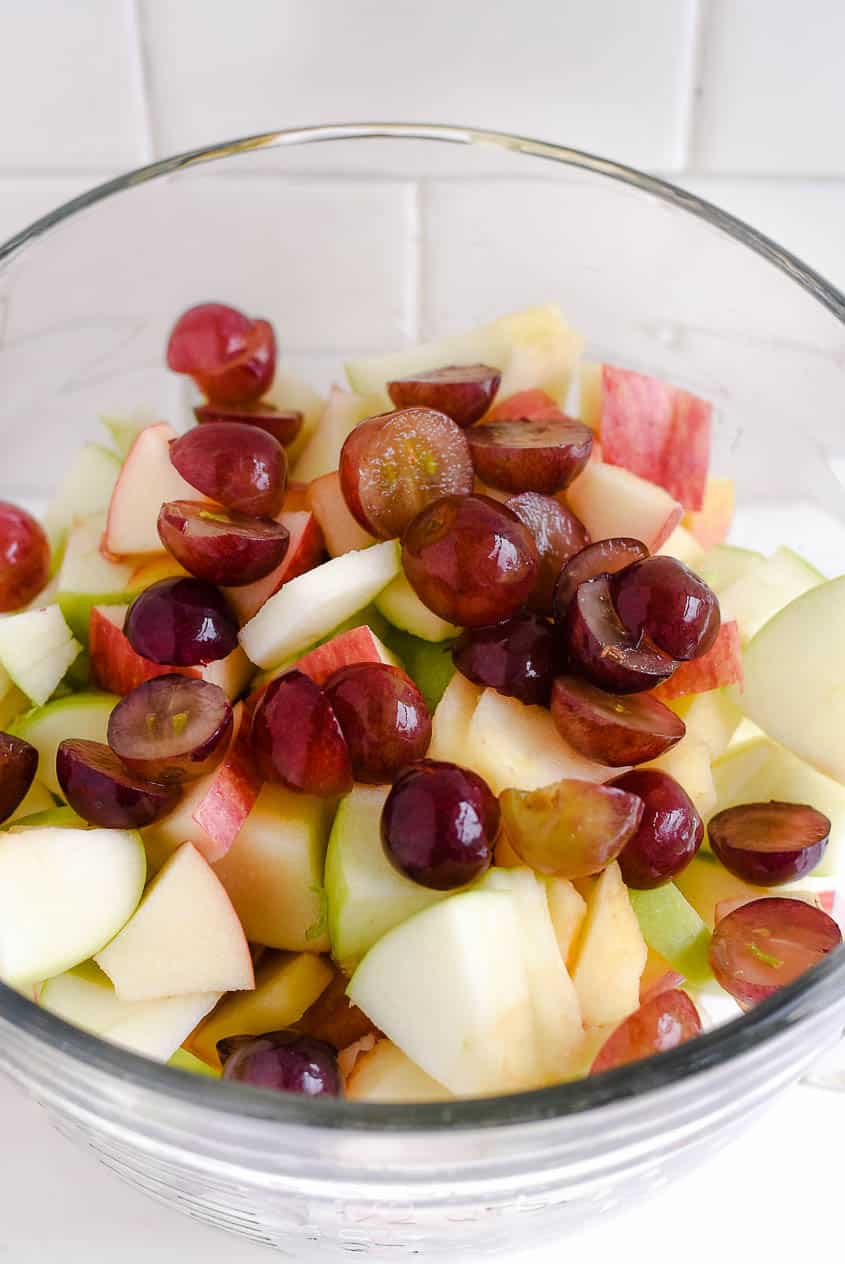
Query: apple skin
{"x": 146, "y": 480}
{"x": 612, "y": 501}
{"x": 720, "y": 666}
{"x": 611, "y": 953}
{"x": 305, "y": 551}
{"x": 341, "y": 531}
{"x": 712, "y": 522}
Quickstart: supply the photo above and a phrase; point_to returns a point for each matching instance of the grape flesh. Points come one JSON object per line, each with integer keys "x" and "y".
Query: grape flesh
{"x": 383, "y": 717}
{"x": 181, "y": 623}
{"x": 769, "y": 843}
{"x": 98, "y": 787}
{"x": 664, "y": 599}
{"x": 530, "y": 456}
{"x": 243, "y": 468}
{"x": 470, "y": 560}
{"x": 518, "y": 657}
{"x": 439, "y": 824}
{"x": 231, "y": 358}
{"x": 283, "y": 424}
{"x": 766, "y": 944}
{"x": 171, "y": 728}
{"x": 604, "y": 557}
{"x": 571, "y": 829}
{"x": 669, "y": 834}
{"x": 602, "y": 650}
{"x": 463, "y": 392}
{"x": 18, "y": 766}
{"x": 24, "y": 557}
{"x": 661, "y": 1023}
{"x": 297, "y": 739}
{"x": 558, "y": 536}
{"x": 221, "y": 546}
{"x": 284, "y": 1061}
{"x": 612, "y": 729}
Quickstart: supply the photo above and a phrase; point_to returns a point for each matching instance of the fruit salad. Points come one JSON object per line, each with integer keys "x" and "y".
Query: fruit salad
{"x": 422, "y": 741}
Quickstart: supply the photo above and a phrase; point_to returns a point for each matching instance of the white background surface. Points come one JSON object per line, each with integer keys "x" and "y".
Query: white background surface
{"x": 743, "y": 100}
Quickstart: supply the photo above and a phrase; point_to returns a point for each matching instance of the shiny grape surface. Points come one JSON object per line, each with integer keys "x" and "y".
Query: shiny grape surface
{"x": 98, "y": 787}
{"x": 769, "y": 843}
{"x": 24, "y": 557}
{"x": 603, "y": 557}
{"x": 18, "y": 766}
{"x": 571, "y": 829}
{"x": 669, "y": 834}
{"x": 663, "y": 599}
{"x": 768, "y": 943}
{"x": 602, "y": 650}
{"x": 519, "y": 657}
{"x": 616, "y": 730}
{"x": 558, "y": 536}
{"x": 231, "y": 358}
{"x": 661, "y": 1023}
{"x": 284, "y": 1061}
{"x": 463, "y": 392}
{"x": 241, "y": 467}
{"x": 530, "y": 456}
{"x": 221, "y": 545}
{"x": 383, "y": 717}
{"x": 439, "y": 824}
{"x": 297, "y": 739}
{"x": 171, "y": 728}
{"x": 181, "y": 623}
{"x": 283, "y": 424}
{"x": 470, "y": 560}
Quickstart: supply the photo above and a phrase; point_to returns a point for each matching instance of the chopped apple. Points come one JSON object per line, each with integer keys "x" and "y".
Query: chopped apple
{"x": 689, "y": 764}
{"x": 658, "y": 976}
{"x": 13, "y": 701}
{"x": 683, "y": 545}
{"x": 711, "y": 523}
{"x": 764, "y": 589}
{"x": 531, "y": 404}
{"x": 354, "y": 645}
{"x": 290, "y": 392}
{"x": 36, "y": 649}
{"x": 470, "y": 1025}
{"x": 84, "y": 715}
{"x": 705, "y": 884}
{"x": 341, "y": 531}
{"x": 184, "y": 937}
{"x": 273, "y": 871}
{"x": 549, "y": 361}
{"x": 568, "y": 909}
{"x": 313, "y": 604}
{"x": 305, "y": 551}
{"x": 64, "y": 893}
{"x": 147, "y": 479}
{"x": 712, "y": 717}
{"x": 724, "y": 563}
{"x": 83, "y": 568}
{"x": 286, "y": 984}
{"x": 452, "y": 718}
{"x": 589, "y": 390}
{"x": 611, "y": 501}
{"x": 123, "y": 431}
{"x": 151, "y": 569}
{"x": 611, "y": 953}
{"x": 344, "y": 410}
{"x": 85, "y": 489}
{"x": 671, "y": 926}
{"x": 720, "y": 666}
{"x": 401, "y": 606}
{"x": 386, "y": 1074}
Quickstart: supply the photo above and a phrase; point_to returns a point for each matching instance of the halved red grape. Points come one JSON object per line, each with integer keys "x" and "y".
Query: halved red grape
{"x": 558, "y": 535}
{"x": 610, "y": 729}
{"x": 463, "y": 392}
{"x": 283, "y": 424}
{"x": 661, "y": 1023}
{"x": 519, "y": 657}
{"x": 438, "y": 825}
{"x": 768, "y": 943}
{"x": 572, "y": 828}
{"x": 241, "y": 467}
{"x": 230, "y": 357}
{"x": 24, "y": 557}
{"x": 297, "y": 739}
{"x": 181, "y": 623}
{"x": 383, "y": 717}
{"x": 530, "y": 456}
{"x": 221, "y": 545}
{"x": 285, "y": 1061}
{"x": 769, "y": 843}
{"x": 601, "y": 648}
{"x": 669, "y": 834}
{"x": 664, "y": 599}
{"x": 18, "y": 765}
{"x": 394, "y": 465}
{"x": 470, "y": 560}
{"x": 171, "y": 728}
{"x": 604, "y": 557}
{"x": 98, "y": 787}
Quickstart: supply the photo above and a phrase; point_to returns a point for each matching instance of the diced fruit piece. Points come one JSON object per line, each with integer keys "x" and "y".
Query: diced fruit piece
{"x": 243, "y": 469}
{"x": 530, "y": 455}
{"x": 671, "y": 926}
{"x": 151, "y": 570}
{"x": 222, "y": 546}
{"x": 712, "y": 522}
{"x": 36, "y": 649}
{"x": 309, "y": 606}
{"x": 231, "y": 358}
{"x": 383, "y": 717}
{"x": 85, "y": 489}
{"x": 184, "y": 937}
{"x": 689, "y": 764}
{"x": 567, "y": 909}
{"x": 401, "y": 606}
{"x": 712, "y": 717}
{"x": 428, "y": 663}
{"x": 663, "y": 1022}
{"x": 604, "y": 557}
{"x": 123, "y": 430}
{"x": 657, "y": 431}
{"x": 297, "y": 739}
{"x": 366, "y": 895}
{"x": 85, "y": 997}
{"x": 274, "y": 871}
{"x": 286, "y": 985}
{"x": 146, "y": 479}
{"x": 519, "y": 657}
{"x": 305, "y": 551}
{"x": 343, "y": 411}
{"x": 611, "y": 729}
{"x": 669, "y": 603}
{"x": 171, "y": 728}
{"x": 658, "y": 976}
{"x": 756, "y": 595}
{"x": 611, "y": 501}
{"x": 98, "y": 787}
{"x": 558, "y": 536}
{"x": 64, "y": 893}
{"x": 284, "y": 1061}
{"x": 470, "y": 560}
{"x": 451, "y": 720}
{"x": 84, "y": 570}
{"x": 724, "y": 563}
{"x": 340, "y": 530}
{"x": 13, "y": 701}
{"x": 463, "y": 392}
{"x": 795, "y": 678}
{"x": 572, "y": 829}
{"x": 511, "y": 745}
{"x": 721, "y": 665}
{"x": 590, "y": 392}
{"x": 63, "y": 816}
{"x": 358, "y": 644}
{"x": 86, "y": 715}
{"x": 36, "y": 802}
{"x": 611, "y": 953}
{"x": 471, "y": 1026}
{"x": 762, "y": 946}
{"x": 527, "y": 405}
{"x": 669, "y": 833}
{"x": 769, "y": 843}
{"x": 290, "y": 392}
{"x": 284, "y": 426}
{"x": 18, "y": 765}
{"x": 683, "y": 546}
{"x": 24, "y": 557}
{"x": 600, "y": 647}
{"x": 386, "y": 1074}
{"x": 181, "y": 622}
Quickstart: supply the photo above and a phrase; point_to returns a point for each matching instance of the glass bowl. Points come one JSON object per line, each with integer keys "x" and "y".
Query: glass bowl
{"x": 355, "y": 238}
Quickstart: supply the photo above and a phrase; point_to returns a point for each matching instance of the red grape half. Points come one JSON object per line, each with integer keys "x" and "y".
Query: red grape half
{"x": 558, "y": 535}
{"x": 664, "y": 599}
{"x": 221, "y": 545}
{"x": 661, "y": 1023}
{"x": 669, "y": 833}
{"x": 181, "y": 622}
{"x": 463, "y": 392}
{"x": 571, "y": 829}
{"x": 383, "y": 717}
{"x": 231, "y": 358}
{"x": 283, "y": 424}
{"x": 601, "y": 649}
{"x": 18, "y": 765}
{"x": 530, "y": 456}
{"x": 604, "y": 557}
{"x": 612, "y": 729}
{"x": 241, "y": 467}
{"x": 171, "y": 728}
{"x": 297, "y": 739}
{"x": 102, "y": 792}
{"x": 24, "y": 557}
{"x": 769, "y": 843}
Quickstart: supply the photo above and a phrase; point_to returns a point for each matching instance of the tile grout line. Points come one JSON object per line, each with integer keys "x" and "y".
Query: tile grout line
{"x": 139, "y": 57}
{"x": 689, "y": 114}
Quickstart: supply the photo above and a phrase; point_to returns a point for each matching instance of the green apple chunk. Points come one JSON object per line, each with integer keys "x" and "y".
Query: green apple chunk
{"x": 428, "y": 663}
{"x": 672, "y": 927}
{"x": 343, "y": 411}
{"x": 83, "y": 715}
{"x": 86, "y": 489}
{"x": 64, "y": 893}
{"x": 765, "y": 588}
{"x": 311, "y": 605}
{"x": 401, "y": 606}
{"x": 49, "y": 816}
{"x": 35, "y": 802}
{"x": 386, "y": 1074}
{"x": 449, "y": 987}
{"x": 273, "y": 872}
{"x": 36, "y": 649}
{"x": 366, "y": 896}
{"x": 611, "y": 953}
{"x": 795, "y": 678}
{"x": 705, "y": 883}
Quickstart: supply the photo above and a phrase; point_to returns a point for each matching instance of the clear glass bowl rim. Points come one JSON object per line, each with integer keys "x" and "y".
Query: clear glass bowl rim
{"x": 801, "y": 1000}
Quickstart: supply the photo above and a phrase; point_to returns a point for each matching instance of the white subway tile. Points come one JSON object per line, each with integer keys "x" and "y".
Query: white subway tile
{"x": 772, "y": 87}
{"x": 608, "y": 76}
{"x": 70, "y": 94}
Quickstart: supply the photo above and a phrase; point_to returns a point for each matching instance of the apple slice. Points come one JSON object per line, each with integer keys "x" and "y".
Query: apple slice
{"x": 13, "y": 702}
{"x": 720, "y": 666}
{"x": 531, "y": 404}
{"x": 86, "y": 489}
{"x": 151, "y": 569}
{"x": 712, "y": 717}
{"x": 273, "y": 871}
{"x": 64, "y": 893}
{"x": 657, "y": 977}
{"x": 401, "y": 606}
{"x": 705, "y": 884}
{"x": 450, "y": 724}
{"x": 146, "y": 479}
{"x": 611, "y": 953}
{"x": 567, "y": 909}
{"x": 471, "y": 1021}
{"x": 313, "y": 604}
{"x": 184, "y": 937}
{"x": 689, "y": 763}
{"x": 83, "y": 568}
{"x": 343, "y": 411}
{"x": 82, "y": 715}
{"x": 611, "y": 501}
{"x": 305, "y": 551}
{"x": 683, "y": 545}
{"x": 756, "y": 595}
{"x": 354, "y": 645}
{"x": 711, "y": 523}
{"x": 589, "y": 393}
{"x": 36, "y": 649}
{"x": 123, "y": 431}
{"x": 289, "y": 392}
{"x": 724, "y": 563}
{"x": 672, "y": 927}
{"x": 341, "y": 531}
{"x": 386, "y": 1074}
{"x": 85, "y": 997}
